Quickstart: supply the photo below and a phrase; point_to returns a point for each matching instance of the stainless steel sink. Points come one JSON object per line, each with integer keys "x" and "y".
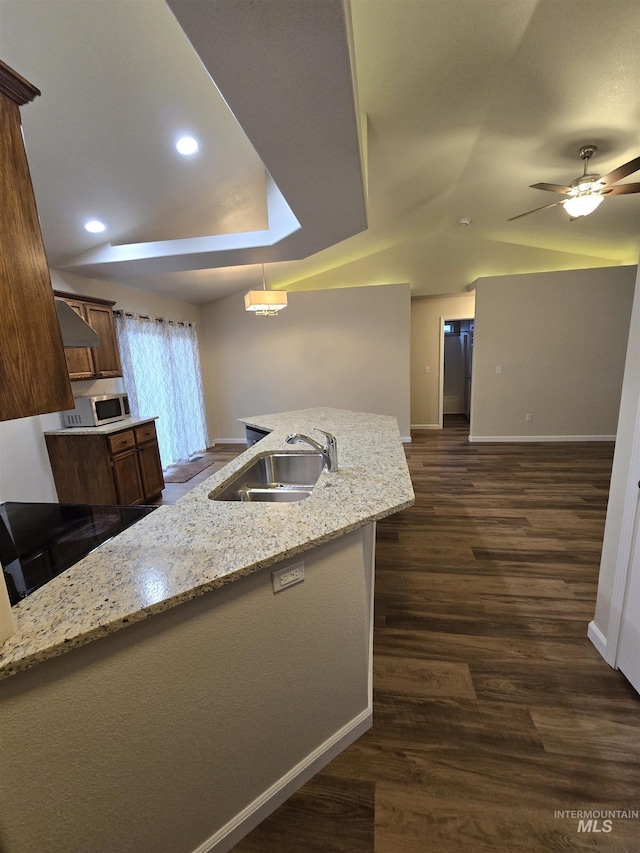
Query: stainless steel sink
{"x": 274, "y": 477}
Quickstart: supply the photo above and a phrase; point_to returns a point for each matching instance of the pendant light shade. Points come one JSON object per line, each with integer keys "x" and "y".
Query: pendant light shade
{"x": 265, "y": 303}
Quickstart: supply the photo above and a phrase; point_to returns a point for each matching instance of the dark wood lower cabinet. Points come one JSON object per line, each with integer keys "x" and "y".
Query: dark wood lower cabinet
{"x": 126, "y": 474}
{"x": 150, "y": 469}
{"x": 120, "y": 467}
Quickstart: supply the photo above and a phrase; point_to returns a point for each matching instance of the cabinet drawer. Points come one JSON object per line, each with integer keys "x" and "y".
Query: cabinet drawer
{"x": 144, "y": 433}
{"x": 121, "y": 441}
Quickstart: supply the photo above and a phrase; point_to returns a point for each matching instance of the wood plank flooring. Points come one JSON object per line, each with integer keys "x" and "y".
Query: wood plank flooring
{"x": 492, "y": 710}
{"x": 219, "y": 456}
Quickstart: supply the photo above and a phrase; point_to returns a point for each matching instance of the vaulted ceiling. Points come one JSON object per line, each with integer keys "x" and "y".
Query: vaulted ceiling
{"x": 340, "y": 145}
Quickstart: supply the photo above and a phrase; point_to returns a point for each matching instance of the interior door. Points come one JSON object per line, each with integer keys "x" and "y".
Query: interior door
{"x": 629, "y": 647}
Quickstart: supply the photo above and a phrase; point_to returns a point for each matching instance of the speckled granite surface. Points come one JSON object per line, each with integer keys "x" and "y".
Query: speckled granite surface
{"x": 185, "y": 550}
{"x": 105, "y": 429}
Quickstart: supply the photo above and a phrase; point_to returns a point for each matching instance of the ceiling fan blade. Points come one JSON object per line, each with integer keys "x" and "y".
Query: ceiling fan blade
{"x": 552, "y": 188}
{"x": 621, "y": 172}
{"x": 622, "y": 189}
{"x": 544, "y": 207}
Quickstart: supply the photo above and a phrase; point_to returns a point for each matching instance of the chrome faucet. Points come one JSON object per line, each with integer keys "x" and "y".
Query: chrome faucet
{"x": 329, "y": 451}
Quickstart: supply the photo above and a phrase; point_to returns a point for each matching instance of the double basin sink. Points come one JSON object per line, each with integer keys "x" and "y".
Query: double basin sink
{"x": 274, "y": 477}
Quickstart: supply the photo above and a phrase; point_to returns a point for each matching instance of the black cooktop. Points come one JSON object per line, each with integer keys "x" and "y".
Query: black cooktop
{"x": 38, "y": 541}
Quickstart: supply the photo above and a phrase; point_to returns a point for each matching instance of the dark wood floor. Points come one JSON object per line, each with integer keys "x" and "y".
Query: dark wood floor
{"x": 492, "y": 710}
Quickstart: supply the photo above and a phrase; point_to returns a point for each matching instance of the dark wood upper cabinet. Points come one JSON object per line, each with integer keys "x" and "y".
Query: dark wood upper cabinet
{"x": 103, "y": 361}
{"x": 33, "y": 373}
{"x": 106, "y": 357}
{"x": 79, "y": 359}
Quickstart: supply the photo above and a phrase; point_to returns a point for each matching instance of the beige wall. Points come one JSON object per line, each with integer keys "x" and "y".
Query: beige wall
{"x": 25, "y": 473}
{"x": 346, "y": 348}
{"x": 126, "y": 298}
{"x": 623, "y": 476}
{"x": 426, "y": 314}
{"x": 560, "y": 340}
{"x": 157, "y": 737}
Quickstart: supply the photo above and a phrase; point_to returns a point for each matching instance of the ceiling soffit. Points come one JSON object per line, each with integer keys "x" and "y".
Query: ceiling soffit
{"x": 284, "y": 69}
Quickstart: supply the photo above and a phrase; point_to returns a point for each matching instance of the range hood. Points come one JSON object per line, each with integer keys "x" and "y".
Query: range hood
{"x": 75, "y": 331}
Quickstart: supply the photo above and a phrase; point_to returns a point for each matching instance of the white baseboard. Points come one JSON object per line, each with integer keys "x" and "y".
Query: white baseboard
{"x": 506, "y": 439}
{"x": 229, "y": 441}
{"x": 425, "y": 426}
{"x": 598, "y": 639}
{"x": 405, "y": 439}
{"x": 229, "y": 835}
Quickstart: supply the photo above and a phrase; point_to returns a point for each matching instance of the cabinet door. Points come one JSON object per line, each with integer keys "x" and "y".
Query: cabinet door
{"x": 151, "y": 470}
{"x": 79, "y": 359}
{"x": 106, "y": 358}
{"x": 126, "y": 472}
{"x": 32, "y": 365}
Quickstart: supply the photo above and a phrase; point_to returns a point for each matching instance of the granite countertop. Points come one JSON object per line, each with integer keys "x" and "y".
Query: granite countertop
{"x": 187, "y": 549}
{"x": 104, "y": 429}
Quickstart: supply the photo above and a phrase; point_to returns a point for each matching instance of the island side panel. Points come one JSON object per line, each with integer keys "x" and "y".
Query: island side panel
{"x": 181, "y": 732}
{"x": 81, "y": 466}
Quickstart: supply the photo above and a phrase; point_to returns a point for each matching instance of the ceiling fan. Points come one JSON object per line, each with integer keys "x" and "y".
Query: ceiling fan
{"x": 587, "y": 192}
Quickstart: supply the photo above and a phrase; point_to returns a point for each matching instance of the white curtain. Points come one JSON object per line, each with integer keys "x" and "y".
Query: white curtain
{"x": 162, "y": 376}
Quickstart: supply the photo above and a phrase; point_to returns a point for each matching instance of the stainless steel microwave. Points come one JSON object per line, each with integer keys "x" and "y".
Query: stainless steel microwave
{"x": 96, "y": 411}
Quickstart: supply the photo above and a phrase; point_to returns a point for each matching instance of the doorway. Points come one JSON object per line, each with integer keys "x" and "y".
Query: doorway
{"x": 456, "y": 348}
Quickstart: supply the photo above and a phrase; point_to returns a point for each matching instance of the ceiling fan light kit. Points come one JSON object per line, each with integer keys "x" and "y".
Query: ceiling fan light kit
{"x": 587, "y": 192}
{"x": 582, "y": 204}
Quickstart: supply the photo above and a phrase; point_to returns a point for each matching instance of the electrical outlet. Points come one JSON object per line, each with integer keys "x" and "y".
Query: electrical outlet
{"x": 283, "y": 578}
{"x": 427, "y": 369}
{"x": 527, "y": 418}
{"x": 498, "y": 368}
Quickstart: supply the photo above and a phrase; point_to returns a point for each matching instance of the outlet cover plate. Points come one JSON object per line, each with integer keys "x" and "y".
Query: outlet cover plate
{"x": 284, "y": 578}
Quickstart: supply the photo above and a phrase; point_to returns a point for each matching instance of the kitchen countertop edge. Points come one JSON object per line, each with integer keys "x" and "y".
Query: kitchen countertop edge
{"x": 104, "y": 429}
{"x": 146, "y": 581}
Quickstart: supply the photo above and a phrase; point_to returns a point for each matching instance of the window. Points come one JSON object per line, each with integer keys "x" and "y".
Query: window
{"x": 161, "y": 369}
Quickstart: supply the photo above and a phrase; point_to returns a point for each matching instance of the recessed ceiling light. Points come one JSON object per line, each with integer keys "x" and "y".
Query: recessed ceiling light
{"x": 94, "y": 226}
{"x": 187, "y": 145}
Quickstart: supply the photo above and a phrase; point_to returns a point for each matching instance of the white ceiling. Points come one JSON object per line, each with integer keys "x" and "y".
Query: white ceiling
{"x": 467, "y": 103}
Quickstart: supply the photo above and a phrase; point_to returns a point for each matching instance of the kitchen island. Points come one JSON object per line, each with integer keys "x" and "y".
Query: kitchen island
{"x": 162, "y": 696}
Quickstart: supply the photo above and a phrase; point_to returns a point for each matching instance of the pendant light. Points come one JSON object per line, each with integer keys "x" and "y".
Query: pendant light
{"x": 265, "y": 303}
